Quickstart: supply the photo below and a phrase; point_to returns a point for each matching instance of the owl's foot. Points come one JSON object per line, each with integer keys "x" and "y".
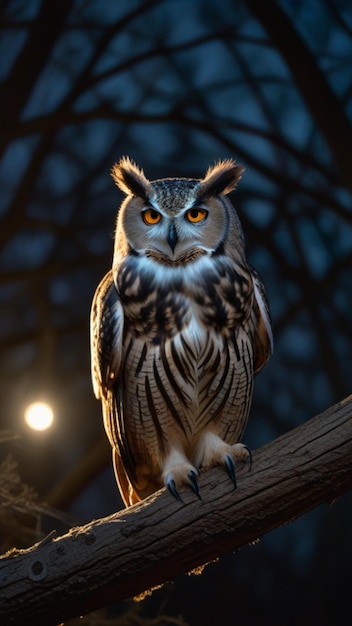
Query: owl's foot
{"x": 192, "y": 482}
{"x": 214, "y": 451}
{"x": 179, "y": 471}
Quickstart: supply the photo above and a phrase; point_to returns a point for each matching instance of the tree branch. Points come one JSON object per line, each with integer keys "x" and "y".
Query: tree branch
{"x": 324, "y": 105}
{"x": 45, "y": 29}
{"x": 126, "y": 553}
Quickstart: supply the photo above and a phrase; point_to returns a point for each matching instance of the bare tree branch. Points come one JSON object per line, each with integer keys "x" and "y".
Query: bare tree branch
{"x": 90, "y": 465}
{"x": 325, "y": 107}
{"x": 133, "y": 550}
{"x": 42, "y": 37}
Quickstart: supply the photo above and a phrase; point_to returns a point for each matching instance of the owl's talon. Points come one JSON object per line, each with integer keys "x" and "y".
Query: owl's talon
{"x": 230, "y": 466}
{"x": 171, "y": 485}
{"x": 192, "y": 477}
{"x": 250, "y": 458}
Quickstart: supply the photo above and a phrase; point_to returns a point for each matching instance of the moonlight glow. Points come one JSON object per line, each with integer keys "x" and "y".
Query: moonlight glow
{"x": 39, "y": 416}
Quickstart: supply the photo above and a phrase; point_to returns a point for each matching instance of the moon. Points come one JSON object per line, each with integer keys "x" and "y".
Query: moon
{"x": 39, "y": 416}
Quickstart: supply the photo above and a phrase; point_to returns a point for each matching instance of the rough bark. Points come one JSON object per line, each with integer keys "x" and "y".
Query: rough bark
{"x": 126, "y": 553}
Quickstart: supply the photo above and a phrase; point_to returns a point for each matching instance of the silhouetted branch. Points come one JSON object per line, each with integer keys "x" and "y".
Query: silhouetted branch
{"x": 133, "y": 550}
{"x": 89, "y": 465}
{"x": 325, "y": 107}
{"x": 30, "y": 62}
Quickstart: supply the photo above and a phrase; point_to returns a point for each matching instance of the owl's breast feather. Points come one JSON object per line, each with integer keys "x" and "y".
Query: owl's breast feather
{"x": 161, "y": 301}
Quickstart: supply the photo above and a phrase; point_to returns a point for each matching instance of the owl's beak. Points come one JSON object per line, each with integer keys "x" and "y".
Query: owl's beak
{"x": 172, "y": 237}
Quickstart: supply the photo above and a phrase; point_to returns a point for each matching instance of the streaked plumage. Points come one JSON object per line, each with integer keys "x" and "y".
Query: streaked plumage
{"x": 179, "y": 326}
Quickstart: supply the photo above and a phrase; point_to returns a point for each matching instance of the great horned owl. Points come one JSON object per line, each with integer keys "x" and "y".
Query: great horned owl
{"x": 179, "y": 327}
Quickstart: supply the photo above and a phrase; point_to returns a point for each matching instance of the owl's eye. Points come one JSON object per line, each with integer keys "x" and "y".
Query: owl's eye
{"x": 196, "y": 215}
{"x": 150, "y": 217}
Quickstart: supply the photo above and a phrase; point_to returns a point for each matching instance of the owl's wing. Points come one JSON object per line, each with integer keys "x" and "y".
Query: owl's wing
{"x": 263, "y": 340}
{"x": 106, "y": 325}
{"x": 107, "y": 321}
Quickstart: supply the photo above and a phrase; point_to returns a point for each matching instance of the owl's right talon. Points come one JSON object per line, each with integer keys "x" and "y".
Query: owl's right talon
{"x": 178, "y": 472}
{"x": 171, "y": 485}
{"x": 192, "y": 476}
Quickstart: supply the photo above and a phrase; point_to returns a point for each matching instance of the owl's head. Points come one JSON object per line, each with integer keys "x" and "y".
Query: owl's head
{"x": 176, "y": 220}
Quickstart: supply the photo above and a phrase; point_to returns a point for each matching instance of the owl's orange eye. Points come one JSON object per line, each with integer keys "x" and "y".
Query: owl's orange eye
{"x": 150, "y": 217}
{"x": 196, "y": 215}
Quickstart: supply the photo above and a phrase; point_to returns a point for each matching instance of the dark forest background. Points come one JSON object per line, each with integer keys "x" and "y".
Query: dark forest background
{"x": 176, "y": 85}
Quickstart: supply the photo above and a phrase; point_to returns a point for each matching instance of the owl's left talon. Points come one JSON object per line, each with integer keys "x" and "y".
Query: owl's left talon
{"x": 249, "y": 460}
{"x": 230, "y": 466}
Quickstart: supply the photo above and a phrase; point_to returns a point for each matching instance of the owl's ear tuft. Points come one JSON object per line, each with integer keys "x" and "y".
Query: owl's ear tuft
{"x": 130, "y": 178}
{"x": 221, "y": 178}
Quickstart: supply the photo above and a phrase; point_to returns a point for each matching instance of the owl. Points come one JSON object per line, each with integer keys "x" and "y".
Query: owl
{"x": 179, "y": 327}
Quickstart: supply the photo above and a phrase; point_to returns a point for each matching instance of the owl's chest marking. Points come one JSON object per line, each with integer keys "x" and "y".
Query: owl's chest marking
{"x": 161, "y": 301}
{"x": 181, "y": 348}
